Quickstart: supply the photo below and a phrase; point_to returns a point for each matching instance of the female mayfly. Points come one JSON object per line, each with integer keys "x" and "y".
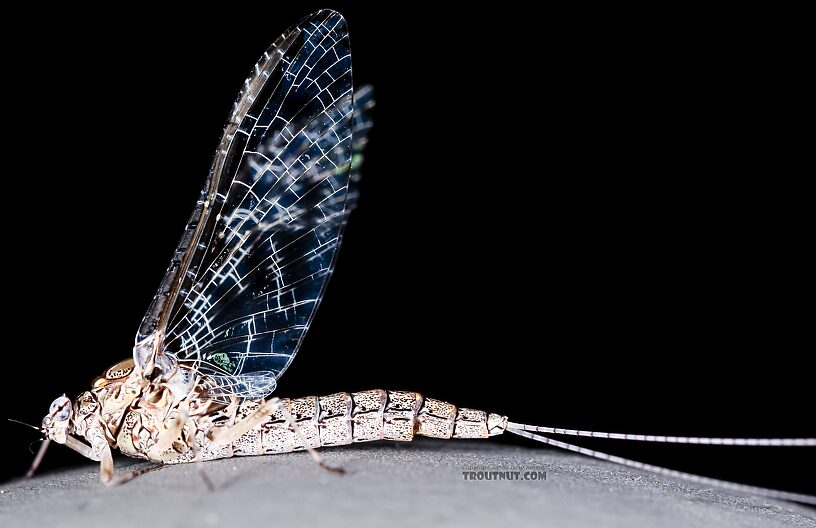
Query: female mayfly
{"x": 243, "y": 286}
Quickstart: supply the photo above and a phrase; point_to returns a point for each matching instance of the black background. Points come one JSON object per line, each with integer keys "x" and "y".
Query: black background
{"x": 574, "y": 219}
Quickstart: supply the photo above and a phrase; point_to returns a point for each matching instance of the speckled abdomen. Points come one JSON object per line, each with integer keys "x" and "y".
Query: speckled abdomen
{"x": 344, "y": 418}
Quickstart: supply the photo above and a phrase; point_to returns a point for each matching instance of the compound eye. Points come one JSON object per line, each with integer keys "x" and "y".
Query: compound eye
{"x": 64, "y": 413}
{"x": 62, "y": 407}
{"x": 56, "y": 404}
{"x": 46, "y": 421}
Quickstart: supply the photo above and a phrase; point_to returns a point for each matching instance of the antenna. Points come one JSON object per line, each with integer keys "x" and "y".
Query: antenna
{"x": 26, "y": 424}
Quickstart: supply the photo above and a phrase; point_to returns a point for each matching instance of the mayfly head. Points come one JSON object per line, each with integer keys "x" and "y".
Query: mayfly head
{"x": 57, "y": 423}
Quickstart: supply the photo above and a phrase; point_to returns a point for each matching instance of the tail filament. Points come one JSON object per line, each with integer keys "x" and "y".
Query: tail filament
{"x": 535, "y": 433}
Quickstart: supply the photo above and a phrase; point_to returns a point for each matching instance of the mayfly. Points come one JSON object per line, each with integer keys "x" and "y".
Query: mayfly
{"x": 243, "y": 286}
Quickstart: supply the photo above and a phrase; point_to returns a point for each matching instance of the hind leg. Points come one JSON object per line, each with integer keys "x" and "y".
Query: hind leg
{"x": 227, "y": 435}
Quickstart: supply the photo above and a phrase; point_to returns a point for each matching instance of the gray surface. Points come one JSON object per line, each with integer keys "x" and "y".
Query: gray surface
{"x": 417, "y": 484}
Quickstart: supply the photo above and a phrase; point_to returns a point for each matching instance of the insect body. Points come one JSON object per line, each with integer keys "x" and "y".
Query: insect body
{"x": 243, "y": 286}
{"x": 146, "y": 420}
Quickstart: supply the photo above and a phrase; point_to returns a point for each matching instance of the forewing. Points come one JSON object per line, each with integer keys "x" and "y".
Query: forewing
{"x": 244, "y": 284}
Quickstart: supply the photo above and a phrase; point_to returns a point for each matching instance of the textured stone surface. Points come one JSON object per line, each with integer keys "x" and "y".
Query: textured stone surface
{"x": 417, "y": 484}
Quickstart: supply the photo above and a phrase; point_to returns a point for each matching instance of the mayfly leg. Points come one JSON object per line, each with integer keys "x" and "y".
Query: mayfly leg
{"x": 130, "y": 475}
{"x": 201, "y": 471}
{"x": 171, "y": 432}
{"x": 228, "y": 435}
{"x": 38, "y": 459}
{"x": 290, "y": 421}
{"x": 199, "y": 462}
{"x": 166, "y": 439}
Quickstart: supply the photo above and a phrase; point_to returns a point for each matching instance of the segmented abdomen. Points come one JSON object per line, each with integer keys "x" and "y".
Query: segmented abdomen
{"x": 344, "y": 418}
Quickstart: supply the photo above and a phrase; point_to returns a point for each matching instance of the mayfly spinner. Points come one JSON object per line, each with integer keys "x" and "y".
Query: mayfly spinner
{"x": 243, "y": 286}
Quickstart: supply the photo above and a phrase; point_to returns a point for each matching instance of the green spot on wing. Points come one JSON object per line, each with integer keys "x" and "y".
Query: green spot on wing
{"x": 342, "y": 169}
{"x": 222, "y": 360}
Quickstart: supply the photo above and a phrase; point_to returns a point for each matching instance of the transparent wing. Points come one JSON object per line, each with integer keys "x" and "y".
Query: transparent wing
{"x": 250, "y": 271}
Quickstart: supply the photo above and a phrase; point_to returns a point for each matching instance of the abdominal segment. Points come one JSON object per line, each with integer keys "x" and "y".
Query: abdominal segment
{"x": 337, "y": 419}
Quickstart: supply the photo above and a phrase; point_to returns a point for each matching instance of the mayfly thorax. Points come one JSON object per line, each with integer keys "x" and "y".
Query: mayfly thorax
{"x": 243, "y": 286}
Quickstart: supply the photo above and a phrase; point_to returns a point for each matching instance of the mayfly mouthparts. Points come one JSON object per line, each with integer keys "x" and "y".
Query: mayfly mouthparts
{"x": 245, "y": 281}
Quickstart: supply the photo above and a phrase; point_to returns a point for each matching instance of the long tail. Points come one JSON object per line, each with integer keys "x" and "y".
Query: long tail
{"x": 534, "y": 433}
